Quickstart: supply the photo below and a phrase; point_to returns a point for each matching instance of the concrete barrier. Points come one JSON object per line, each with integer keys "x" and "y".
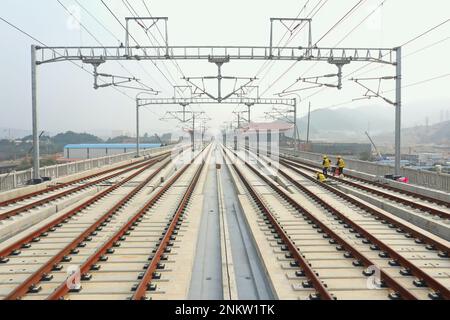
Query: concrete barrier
{"x": 13, "y": 180}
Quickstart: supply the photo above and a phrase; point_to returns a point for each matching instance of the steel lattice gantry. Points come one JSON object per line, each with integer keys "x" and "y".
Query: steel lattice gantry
{"x": 338, "y": 56}
{"x": 55, "y": 54}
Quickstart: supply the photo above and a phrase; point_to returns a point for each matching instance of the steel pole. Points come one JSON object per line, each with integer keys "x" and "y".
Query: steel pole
{"x": 36, "y": 164}
{"x": 295, "y": 126}
{"x": 398, "y": 110}
{"x": 193, "y": 132}
{"x": 167, "y": 39}
{"x": 309, "y": 121}
{"x": 127, "y": 38}
{"x": 138, "y": 152}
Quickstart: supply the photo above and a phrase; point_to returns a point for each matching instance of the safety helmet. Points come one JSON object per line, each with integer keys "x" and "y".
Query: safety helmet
{"x": 339, "y": 157}
{"x": 324, "y": 156}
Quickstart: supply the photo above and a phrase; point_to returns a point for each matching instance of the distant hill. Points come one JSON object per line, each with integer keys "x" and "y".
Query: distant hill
{"x": 346, "y": 124}
{"x": 438, "y": 134}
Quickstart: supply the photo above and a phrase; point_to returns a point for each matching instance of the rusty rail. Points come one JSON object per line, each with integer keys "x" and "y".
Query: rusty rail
{"x": 65, "y": 184}
{"x": 14, "y": 248}
{"x": 384, "y": 194}
{"x": 319, "y": 286}
{"x": 43, "y": 272}
{"x": 37, "y": 203}
{"x": 380, "y": 193}
{"x": 388, "y": 252}
{"x": 145, "y": 282}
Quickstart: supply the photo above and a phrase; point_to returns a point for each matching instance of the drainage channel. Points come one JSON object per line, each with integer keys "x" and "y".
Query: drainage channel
{"x": 251, "y": 280}
{"x": 206, "y": 282}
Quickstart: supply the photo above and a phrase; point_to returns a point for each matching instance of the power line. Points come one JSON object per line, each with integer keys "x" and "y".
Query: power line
{"x": 346, "y": 15}
{"x": 340, "y": 20}
{"x": 309, "y": 15}
{"x": 425, "y": 33}
{"x": 134, "y": 13}
{"x": 56, "y": 53}
{"x": 98, "y": 21}
{"x": 346, "y": 36}
{"x": 387, "y": 91}
{"x": 118, "y": 40}
{"x": 266, "y": 63}
{"x": 421, "y": 82}
{"x": 370, "y": 63}
{"x": 162, "y": 37}
{"x": 137, "y": 43}
{"x": 143, "y": 86}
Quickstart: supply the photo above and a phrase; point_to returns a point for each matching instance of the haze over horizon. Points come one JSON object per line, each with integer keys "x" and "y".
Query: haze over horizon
{"x": 67, "y": 100}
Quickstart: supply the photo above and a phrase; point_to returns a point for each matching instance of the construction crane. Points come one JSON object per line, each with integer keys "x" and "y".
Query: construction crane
{"x": 380, "y": 156}
{"x": 160, "y": 141}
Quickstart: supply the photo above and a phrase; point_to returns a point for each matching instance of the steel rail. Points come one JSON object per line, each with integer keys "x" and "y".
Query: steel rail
{"x": 145, "y": 282}
{"x": 361, "y": 259}
{"x": 62, "y": 185}
{"x": 433, "y": 244}
{"x": 303, "y": 264}
{"x": 42, "y": 274}
{"x": 385, "y": 186}
{"x": 407, "y": 202}
{"x": 37, "y": 203}
{"x": 101, "y": 253}
{"x": 14, "y": 248}
{"x": 423, "y": 279}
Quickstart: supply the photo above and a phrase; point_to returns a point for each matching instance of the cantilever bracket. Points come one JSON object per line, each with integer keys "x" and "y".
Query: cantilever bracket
{"x": 116, "y": 81}
{"x": 372, "y": 93}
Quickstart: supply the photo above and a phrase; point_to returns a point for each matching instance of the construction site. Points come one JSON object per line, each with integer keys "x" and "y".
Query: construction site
{"x": 248, "y": 197}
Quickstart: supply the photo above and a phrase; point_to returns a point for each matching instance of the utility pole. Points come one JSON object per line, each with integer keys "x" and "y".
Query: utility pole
{"x": 138, "y": 153}
{"x": 175, "y": 115}
{"x": 138, "y": 105}
{"x": 296, "y": 135}
{"x": 398, "y": 109}
{"x": 309, "y": 122}
{"x": 36, "y": 156}
{"x": 193, "y": 132}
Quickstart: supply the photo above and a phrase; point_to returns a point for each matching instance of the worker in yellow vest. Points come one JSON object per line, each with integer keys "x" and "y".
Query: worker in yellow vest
{"x": 326, "y": 164}
{"x": 321, "y": 177}
{"x": 340, "y": 165}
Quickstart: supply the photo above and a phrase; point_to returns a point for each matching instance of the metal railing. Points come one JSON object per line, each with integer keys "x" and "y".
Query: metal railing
{"x": 13, "y": 180}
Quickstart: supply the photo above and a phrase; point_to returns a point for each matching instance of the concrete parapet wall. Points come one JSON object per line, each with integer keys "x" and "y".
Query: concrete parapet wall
{"x": 14, "y": 180}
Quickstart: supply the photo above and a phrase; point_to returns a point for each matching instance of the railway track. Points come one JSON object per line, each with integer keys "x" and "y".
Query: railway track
{"x": 311, "y": 228}
{"x": 427, "y": 205}
{"x": 19, "y": 205}
{"x": 353, "y": 200}
{"x": 108, "y": 243}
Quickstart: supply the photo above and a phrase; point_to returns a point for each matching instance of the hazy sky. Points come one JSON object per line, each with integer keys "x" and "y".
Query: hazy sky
{"x": 68, "y": 101}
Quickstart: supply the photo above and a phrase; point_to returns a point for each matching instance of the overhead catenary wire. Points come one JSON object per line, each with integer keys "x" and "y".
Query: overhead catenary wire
{"x": 117, "y": 39}
{"x": 143, "y": 86}
{"x": 342, "y": 39}
{"x": 56, "y": 53}
{"x": 159, "y": 31}
{"x": 310, "y": 15}
{"x": 134, "y": 13}
{"x": 406, "y": 43}
{"x": 266, "y": 63}
{"x": 346, "y": 15}
{"x": 134, "y": 39}
{"x": 387, "y": 91}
